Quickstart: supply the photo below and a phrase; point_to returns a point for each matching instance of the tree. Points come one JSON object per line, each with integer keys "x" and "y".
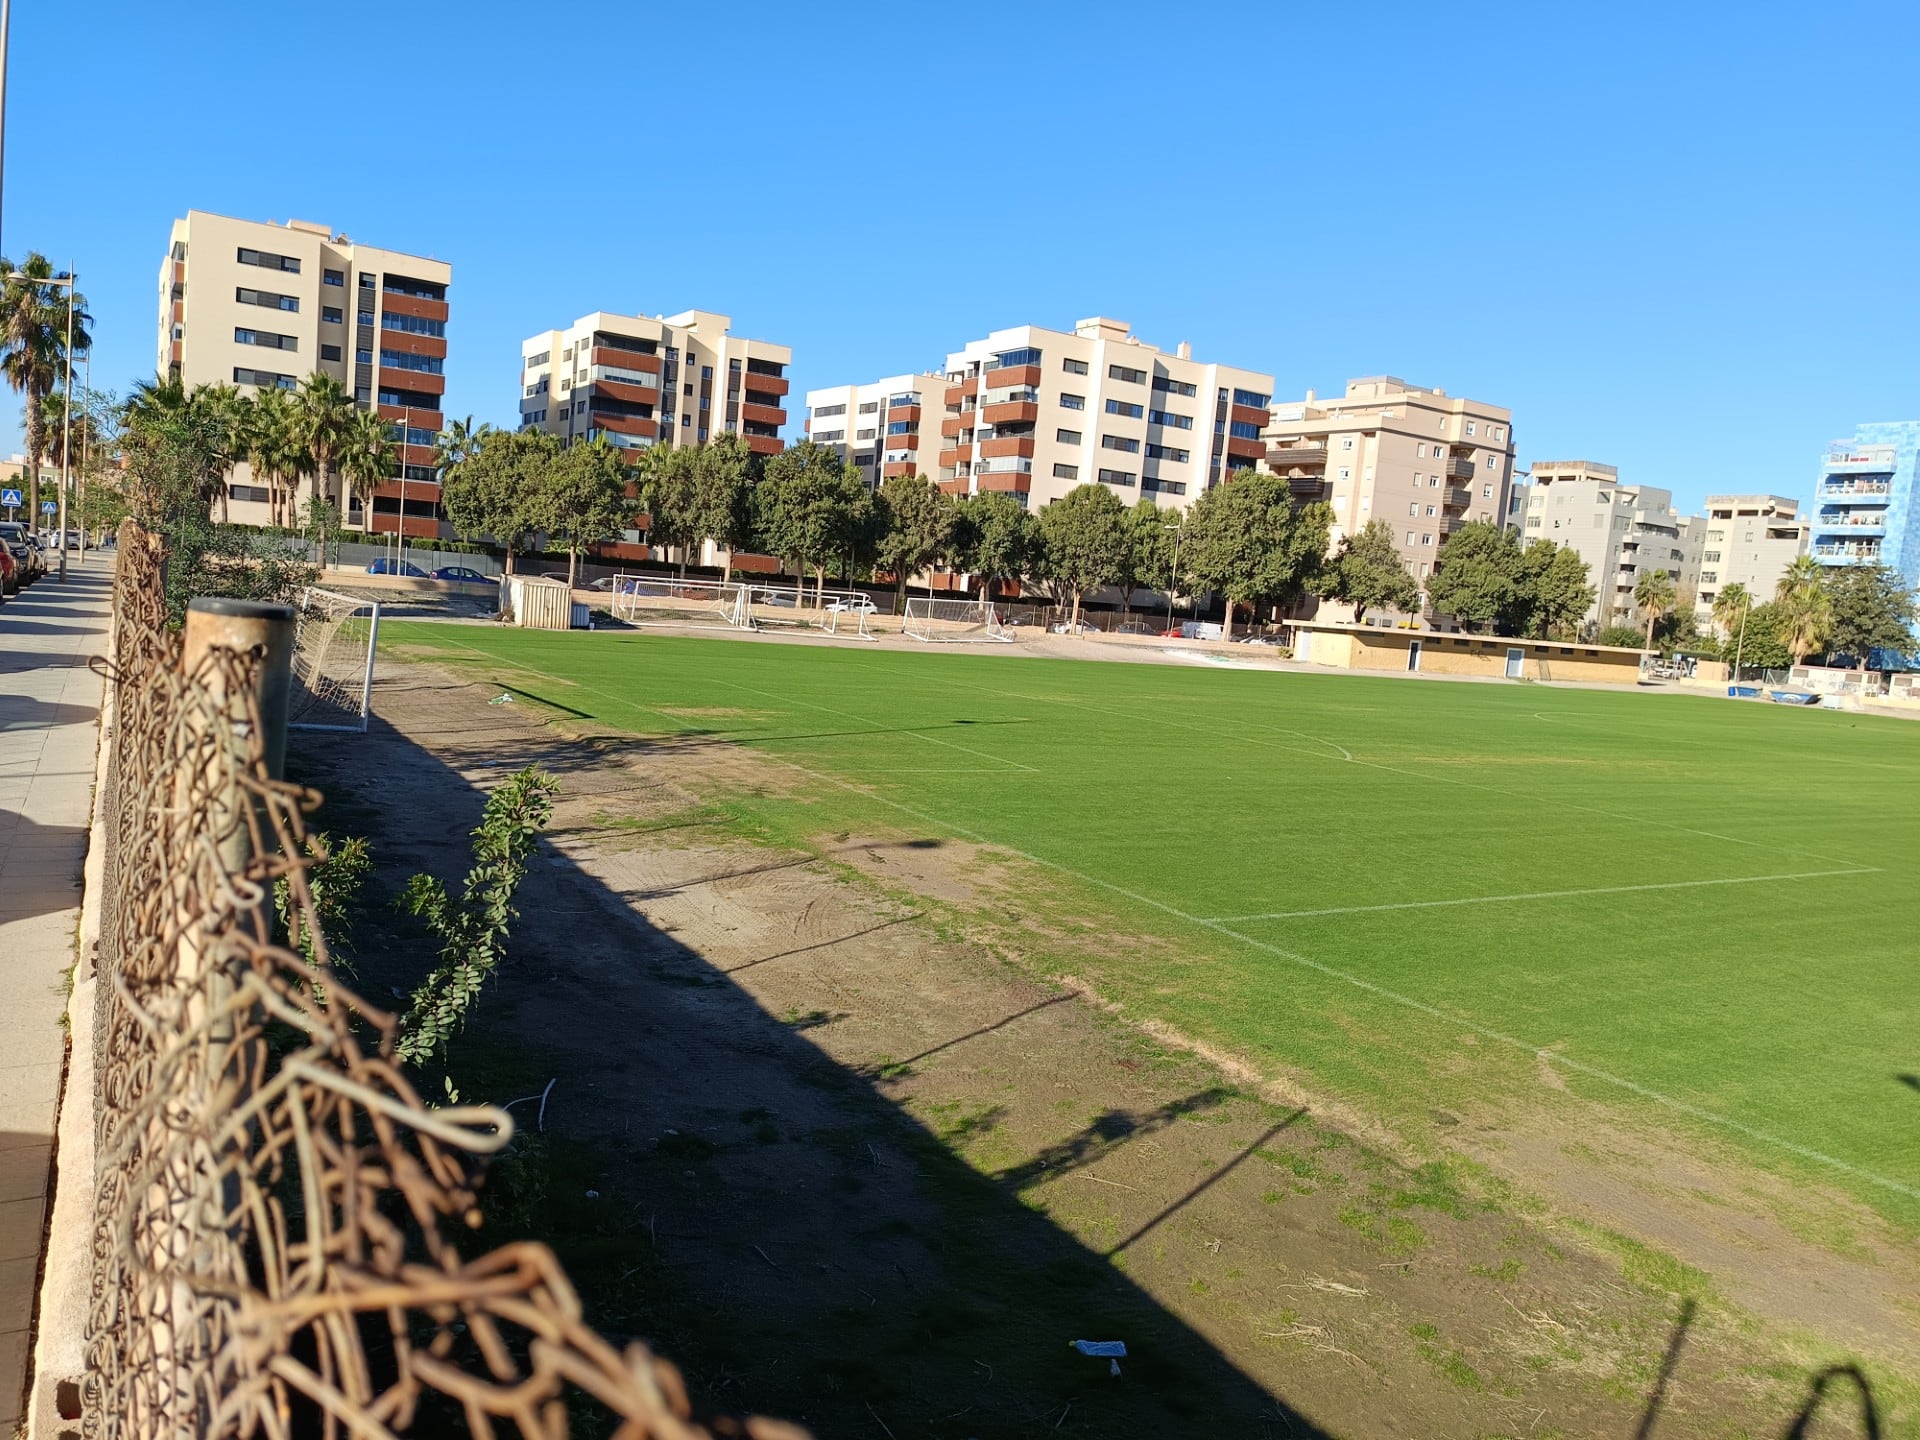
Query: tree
{"x": 1730, "y": 607}
{"x": 1871, "y": 608}
{"x": 323, "y": 415}
{"x": 458, "y": 442}
{"x": 582, "y": 497}
{"x": 1554, "y": 593}
{"x": 1804, "y": 609}
{"x": 1653, "y": 593}
{"x": 1369, "y": 574}
{"x": 366, "y": 456}
{"x": 1762, "y": 645}
{"x": 166, "y": 407}
{"x": 1082, "y": 536}
{"x": 669, "y": 485}
{"x": 34, "y": 316}
{"x": 1477, "y": 579}
{"x": 1626, "y": 637}
{"x": 492, "y": 493}
{"x": 994, "y": 539}
{"x": 809, "y": 507}
{"x": 1146, "y": 557}
{"x": 1245, "y": 539}
{"x": 723, "y": 481}
{"x": 914, "y": 523}
{"x": 269, "y": 436}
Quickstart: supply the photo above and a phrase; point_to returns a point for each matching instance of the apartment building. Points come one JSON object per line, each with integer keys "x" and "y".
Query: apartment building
{"x": 1424, "y": 461}
{"x": 1621, "y": 531}
{"x": 886, "y": 428}
{"x": 1034, "y": 412}
{"x": 1750, "y": 541}
{"x": 665, "y": 380}
{"x": 1864, "y": 502}
{"x": 257, "y": 304}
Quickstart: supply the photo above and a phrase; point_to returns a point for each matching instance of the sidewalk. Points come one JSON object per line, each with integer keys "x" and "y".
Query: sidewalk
{"x": 49, "y": 705}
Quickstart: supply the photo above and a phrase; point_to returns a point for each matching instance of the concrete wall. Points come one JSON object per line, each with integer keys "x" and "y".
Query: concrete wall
{"x": 1466, "y": 655}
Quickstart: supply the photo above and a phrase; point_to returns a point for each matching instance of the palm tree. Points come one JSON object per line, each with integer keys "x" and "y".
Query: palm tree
{"x": 456, "y": 445}
{"x": 272, "y": 441}
{"x": 1804, "y": 606}
{"x": 1729, "y": 605}
{"x": 34, "y": 316}
{"x": 1653, "y": 593}
{"x": 366, "y": 455}
{"x": 323, "y": 411}
{"x": 210, "y": 414}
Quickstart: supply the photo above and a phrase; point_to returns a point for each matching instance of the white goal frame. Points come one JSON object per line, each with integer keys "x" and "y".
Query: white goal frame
{"x": 650, "y": 600}
{"x": 327, "y": 677}
{"x": 937, "y": 621}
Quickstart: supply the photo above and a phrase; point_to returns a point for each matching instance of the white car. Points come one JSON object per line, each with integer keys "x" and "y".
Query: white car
{"x": 857, "y": 605}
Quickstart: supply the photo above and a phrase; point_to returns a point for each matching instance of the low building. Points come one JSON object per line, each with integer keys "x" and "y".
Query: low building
{"x": 1620, "y": 530}
{"x": 885, "y": 428}
{"x": 1750, "y": 541}
{"x": 1424, "y": 461}
{"x": 667, "y": 379}
{"x": 1867, "y": 500}
{"x": 1426, "y": 652}
{"x": 1035, "y": 412}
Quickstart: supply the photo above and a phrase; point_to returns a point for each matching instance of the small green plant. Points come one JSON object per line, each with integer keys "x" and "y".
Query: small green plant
{"x": 473, "y": 932}
{"x": 335, "y": 875}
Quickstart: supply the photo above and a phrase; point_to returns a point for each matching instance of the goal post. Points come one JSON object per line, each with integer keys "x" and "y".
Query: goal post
{"x": 647, "y": 600}
{"x": 953, "y": 621}
{"x": 335, "y": 637}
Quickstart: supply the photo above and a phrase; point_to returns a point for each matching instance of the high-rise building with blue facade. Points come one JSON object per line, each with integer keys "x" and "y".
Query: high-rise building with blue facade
{"x": 1864, "y": 506}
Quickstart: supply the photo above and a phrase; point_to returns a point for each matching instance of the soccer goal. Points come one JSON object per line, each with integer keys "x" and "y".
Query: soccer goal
{"x": 334, "y": 638}
{"x": 953, "y": 620}
{"x": 646, "y": 600}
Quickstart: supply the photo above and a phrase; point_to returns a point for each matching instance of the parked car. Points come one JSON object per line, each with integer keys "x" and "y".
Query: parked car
{"x": 854, "y": 605}
{"x": 463, "y": 573}
{"x": 9, "y": 574}
{"x": 18, "y": 542}
{"x": 401, "y": 567}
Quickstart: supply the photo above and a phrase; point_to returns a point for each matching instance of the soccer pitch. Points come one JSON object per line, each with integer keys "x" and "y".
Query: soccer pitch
{"x": 1697, "y": 908}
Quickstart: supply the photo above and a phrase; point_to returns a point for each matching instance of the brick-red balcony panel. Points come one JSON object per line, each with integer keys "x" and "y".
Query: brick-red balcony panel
{"x": 415, "y": 527}
{"x": 625, "y": 360}
{"x": 764, "y": 444}
{"x": 623, "y": 424}
{"x": 1012, "y": 481}
{"x": 897, "y": 467}
{"x": 391, "y": 379}
{"x": 774, "y": 385}
{"x": 1010, "y": 412}
{"x": 1248, "y": 415}
{"x": 950, "y": 459}
{"x": 402, "y": 343}
{"x": 1009, "y": 376}
{"x": 1249, "y": 449}
{"x": 632, "y": 394}
{"x": 1021, "y": 445}
{"x": 955, "y": 487}
{"x": 952, "y": 426}
{"x": 762, "y": 415}
{"x": 417, "y": 491}
{"x": 413, "y": 305}
{"x": 957, "y": 393}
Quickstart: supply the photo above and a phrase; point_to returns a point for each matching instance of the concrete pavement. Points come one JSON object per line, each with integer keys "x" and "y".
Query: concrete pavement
{"x": 49, "y": 708}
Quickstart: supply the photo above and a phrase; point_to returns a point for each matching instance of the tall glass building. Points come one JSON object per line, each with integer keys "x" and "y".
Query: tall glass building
{"x": 1864, "y": 510}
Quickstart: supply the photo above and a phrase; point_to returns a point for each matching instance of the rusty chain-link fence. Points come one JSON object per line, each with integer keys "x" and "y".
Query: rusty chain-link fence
{"x": 272, "y": 1246}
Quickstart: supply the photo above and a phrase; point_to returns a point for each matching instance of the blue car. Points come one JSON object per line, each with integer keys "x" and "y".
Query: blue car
{"x": 462, "y": 573}
{"x": 403, "y": 567}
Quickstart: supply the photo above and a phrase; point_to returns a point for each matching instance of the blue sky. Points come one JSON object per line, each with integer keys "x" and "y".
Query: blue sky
{"x": 1677, "y": 238}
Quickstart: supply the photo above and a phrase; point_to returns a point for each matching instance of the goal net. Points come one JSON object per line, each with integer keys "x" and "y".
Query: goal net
{"x": 953, "y": 620}
{"x": 334, "y": 638}
{"x": 645, "y": 600}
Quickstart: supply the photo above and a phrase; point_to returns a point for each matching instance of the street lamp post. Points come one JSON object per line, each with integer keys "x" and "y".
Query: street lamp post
{"x": 1173, "y": 570}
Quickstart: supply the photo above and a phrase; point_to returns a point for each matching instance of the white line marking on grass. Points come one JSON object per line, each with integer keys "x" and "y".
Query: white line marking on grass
{"x": 1551, "y": 1057}
{"x": 1537, "y": 895}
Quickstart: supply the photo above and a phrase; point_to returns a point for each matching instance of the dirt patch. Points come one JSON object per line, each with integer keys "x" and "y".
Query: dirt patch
{"x": 851, "y": 1164}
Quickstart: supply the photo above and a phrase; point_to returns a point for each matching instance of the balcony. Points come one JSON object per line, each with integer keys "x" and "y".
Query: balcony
{"x": 763, "y": 444}
{"x": 1007, "y": 377}
{"x": 765, "y": 384}
{"x": 1853, "y": 489}
{"x": 762, "y": 415}
{"x": 1010, "y": 412}
{"x": 624, "y": 359}
{"x": 951, "y": 427}
{"x": 957, "y": 393}
{"x": 896, "y": 467}
{"x": 1001, "y": 447}
{"x": 1456, "y": 497}
{"x": 1461, "y": 467}
{"x": 1297, "y": 457}
{"x": 1248, "y": 415}
{"x": 1306, "y": 487}
{"x": 909, "y": 412}
{"x": 415, "y": 527}
{"x": 1874, "y": 521}
{"x": 391, "y": 379}
{"x": 961, "y": 486}
{"x": 1867, "y": 553}
{"x": 1013, "y": 482}
{"x": 622, "y": 424}
{"x": 1246, "y": 449}
{"x": 413, "y": 305}
{"x": 402, "y": 343}
{"x": 632, "y": 394}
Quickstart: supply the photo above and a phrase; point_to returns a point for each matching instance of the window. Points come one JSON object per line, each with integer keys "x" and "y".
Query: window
{"x": 266, "y": 338}
{"x": 1165, "y": 487}
{"x": 1499, "y": 432}
{"x": 1346, "y": 443}
{"x": 533, "y": 362}
{"x": 706, "y": 372}
{"x": 333, "y": 315}
{"x": 1168, "y": 452}
{"x": 900, "y": 427}
{"x": 827, "y": 412}
{"x": 418, "y": 289}
{"x": 329, "y": 352}
{"x": 1486, "y": 492}
{"x": 425, "y": 364}
{"x": 1067, "y": 437}
{"x": 266, "y": 299}
{"x": 367, "y": 282}
{"x": 1066, "y": 472}
{"x": 1253, "y": 399}
{"x": 829, "y": 437}
{"x": 1167, "y": 417}
{"x": 1244, "y": 430}
{"x": 1072, "y": 402}
{"x": 1414, "y": 508}
{"x": 1411, "y": 538}
{"x": 1346, "y": 472}
{"x": 412, "y": 324}
{"x": 1431, "y": 511}
{"x": 1491, "y": 462}
{"x": 1173, "y": 387}
{"x": 1121, "y": 372}
{"x": 1074, "y": 367}
{"x": 1126, "y": 408}
{"x": 1117, "y": 477}
{"x": 1420, "y": 452}
{"x": 333, "y": 277}
{"x": 363, "y": 317}
{"x": 1426, "y": 539}
{"x": 1469, "y": 427}
{"x": 265, "y": 379}
{"x": 1120, "y": 442}
{"x": 1008, "y": 359}
{"x": 1711, "y": 557}
{"x": 267, "y": 260}
{"x": 864, "y": 435}
{"x": 871, "y": 407}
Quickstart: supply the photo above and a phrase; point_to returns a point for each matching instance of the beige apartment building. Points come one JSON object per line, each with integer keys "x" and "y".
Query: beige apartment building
{"x": 264, "y": 304}
{"x": 1750, "y": 540}
{"x": 1621, "y": 531}
{"x": 1424, "y": 461}
{"x": 1034, "y": 412}
{"x": 665, "y": 380}
{"x": 886, "y": 428}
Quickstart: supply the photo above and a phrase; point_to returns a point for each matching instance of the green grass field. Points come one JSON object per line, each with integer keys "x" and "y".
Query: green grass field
{"x": 1703, "y": 907}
